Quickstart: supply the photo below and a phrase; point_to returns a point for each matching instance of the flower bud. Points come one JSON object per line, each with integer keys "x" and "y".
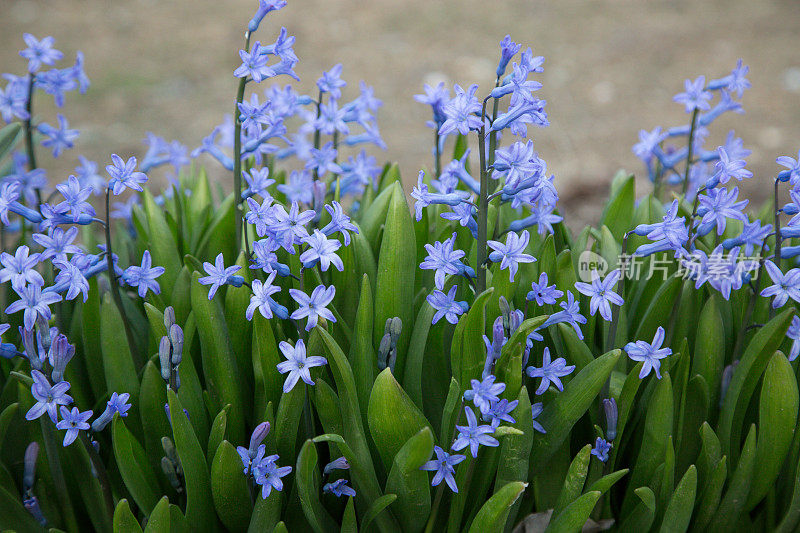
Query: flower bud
{"x": 32, "y": 506}
{"x": 164, "y": 348}
{"x": 61, "y": 352}
{"x": 337, "y": 464}
{"x": 176, "y": 339}
{"x": 30, "y": 348}
{"x": 169, "y": 317}
{"x": 171, "y": 472}
{"x": 29, "y": 468}
{"x": 612, "y": 415}
{"x": 727, "y": 376}
{"x": 169, "y": 450}
{"x": 258, "y": 436}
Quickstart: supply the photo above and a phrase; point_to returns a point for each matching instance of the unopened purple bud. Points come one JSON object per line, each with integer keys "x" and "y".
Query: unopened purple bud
{"x": 164, "y": 357}
{"x": 8, "y": 350}
{"x": 337, "y": 464}
{"x": 612, "y": 415}
{"x": 32, "y": 506}
{"x": 61, "y": 352}
{"x": 176, "y": 339}
{"x": 30, "y": 349}
{"x": 169, "y": 317}
{"x": 498, "y": 336}
{"x": 29, "y": 468}
{"x": 258, "y": 436}
{"x": 235, "y": 281}
{"x": 517, "y": 317}
{"x": 25, "y": 212}
{"x": 790, "y": 251}
{"x": 791, "y": 209}
{"x": 264, "y": 7}
{"x": 45, "y": 340}
{"x": 727, "y": 376}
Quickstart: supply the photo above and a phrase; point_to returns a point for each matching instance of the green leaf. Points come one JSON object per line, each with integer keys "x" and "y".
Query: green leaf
{"x": 618, "y": 212}
{"x": 515, "y": 450}
{"x": 409, "y": 483}
{"x": 412, "y": 377}
{"x": 362, "y": 354}
{"x": 575, "y": 515}
{"x": 161, "y": 243}
{"x": 745, "y": 379}
{"x": 679, "y": 510}
{"x": 375, "y": 217}
{"x": 468, "y": 364}
{"x": 158, "y": 521}
{"x": 660, "y": 307}
{"x": 643, "y": 514}
{"x": 266, "y": 513}
{"x": 229, "y": 488}
{"x": 117, "y": 361}
{"x": 199, "y": 501}
{"x": 709, "y": 349}
{"x": 309, "y": 489}
{"x": 268, "y": 383}
{"x": 14, "y": 516}
{"x": 493, "y": 514}
{"x": 376, "y": 509}
{"x": 9, "y": 137}
{"x": 217, "y": 434}
{"x": 287, "y": 419}
{"x": 219, "y": 364}
{"x": 576, "y": 477}
{"x": 90, "y": 335}
{"x": 124, "y": 521}
{"x": 606, "y": 482}
{"x": 777, "y": 419}
{"x": 711, "y": 495}
{"x": 134, "y": 468}
{"x": 349, "y": 522}
{"x": 735, "y": 498}
{"x": 393, "y": 417}
{"x": 792, "y": 516}
{"x": 561, "y": 414}
{"x": 395, "y": 277}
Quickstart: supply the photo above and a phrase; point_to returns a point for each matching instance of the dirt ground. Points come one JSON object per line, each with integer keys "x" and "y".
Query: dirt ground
{"x": 612, "y": 68}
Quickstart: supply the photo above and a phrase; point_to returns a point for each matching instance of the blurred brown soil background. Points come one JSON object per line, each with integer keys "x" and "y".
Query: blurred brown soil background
{"x": 612, "y": 67}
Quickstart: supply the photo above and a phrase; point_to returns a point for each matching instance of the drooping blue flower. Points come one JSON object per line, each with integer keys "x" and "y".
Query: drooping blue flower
{"x": 264, "y": 7}
{"x": 695, "y": 96}
{"x": 219, "y": 275}
{"x": 340, "y": 222}
{"x": 669, "y": 234}
{"x": 444, "y": 466}
{"x": 735, "y": 82}
{"x": 73, "y": 421}
{"x": 649, "y": 353}
{"x": 71, "y": 278}
{"x": 331, "y": 82}
{"x": 648, "y": 141}
{"x": 601, "y": 449}
{"x": 436, "y": 97}
{"x": 262, "y": 297}
{"x": 34, "y": 302}
{"x": 144, "y": 277}
{"x": 39, "y": 53}
{"x": 460, "y": 112}
{"x": 510, "y": 254}
{"x": 423, "y": 197}
{"x": 716, "y": 207}
{"x": 13, "y": 100}
{"x": 124, "y": 175}
{"x": 752, "y": 235}
{"x": 570, "y": 313}
{"x": 20, "y": 268}
{"x": 118, "y": 403}
{"x": 484, "y": 392}
{"x": 313, "y": 306}
{"x": 508, "y": 49}
{"x": 75, "y": 196}
{"x": 473, "y": 435}
{"x": 58, "y": 139}
{"x": 48, "y": 398}
{"x": 602, "y": 293}
{"x": 784, "y": 286}
{"x": 446, "y": 305}
{"x": 792, "y": 172}
{"x": 793, "y": 334}
{"x": 297, "y": 364}
{"x": 550, "y": 372}
{"x": 339, "y": 488}
{"x": 321, "y": 250}
{"x": 339, "y": 463}
{"x": 542, "y": 293}
{"x": 536, "y": 410}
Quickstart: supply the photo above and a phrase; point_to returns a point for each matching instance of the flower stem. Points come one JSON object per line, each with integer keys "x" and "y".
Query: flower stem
{"x": 317, "y": 134}
{"x": 483, "y": 204}
{"x": 689, "y": 153}
{"x": 437, "y": 160}
{"x": 114, "y": 288}
{"x": 237, "y": 153}
{"x": 29, "y": 146}
{"x": 100, "y": 470}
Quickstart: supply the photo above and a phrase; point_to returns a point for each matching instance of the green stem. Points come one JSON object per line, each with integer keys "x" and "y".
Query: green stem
{"x": 435, "y": 509}
{"x": 54, "y": 463}
{"x": 29, "y": 146}
{"x": 483, "y": 205}
{"x": 237, "y": 153}
{"x": 317, "y": 134}
{"x": 493, "y": 136}
{"x": 114, "y": 288}
{"x": 102, "y": 475}
{"x": 437, "y": 160}
{"x": 690, "y": 153}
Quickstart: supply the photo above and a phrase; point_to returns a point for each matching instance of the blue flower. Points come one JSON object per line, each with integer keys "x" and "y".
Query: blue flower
{"x": 716, "y": 207}
{"x": 34, "y": 303}
{"x": 118, "y": 403}
{"x": 339, "y": 488}
{"x": 337, "y": 464}
{"x": 443, "y": 465}
{"x": 123, "y": 174}
{"x": 484, "y": 392}
{"x": 47, "y": 397}
{"x": 612, "y": 417}
{"x": 727, "y": 169}
{"x": 602, "y": 293}
{"x": 75, "y": 196}
{"x": 339, "y": 222}
{"x": 143, "y": 277}
{"x": 695, "y": 96}
{"x": 258, "y": 181}
{"x": 570, "y": 313}
{"x": 262, "y": 297}
{"x": 218, "y": 275}
{"x": 313, "y": 306}
{"x": 516, "y": 162}
{"x": 446, "y": 305}
{"x": 793, "y": 168}
{"x": 536, "y": 410}
{"x": 500, "y": 411}
{"x": 321, "y": 250}
{"x": 324, "y": 160}
{"x": 58, "y": 139}
{"x": 473, "y": 435}
{"x": 601, "y": 449}
{"x": 13, "y": 101}
{"x": 735, "y": 82}
{"x": 784, "y": 286}
{"x": 648, "y": 141}
{"x": 424, "y": 198}
{"x": 649, "y": 353}
{"x": 510, "y": 254}
{"x": 331, "y": 119}
{"x": 542, "y": 293}
{"x": 508, "y": 49}
{"x": 460, "y": 112}
{"x": 39, "y": 53}
{"x": 71, "y": 278}
{"x": 57, "y": 82}
{"x": 793, "y": 334}
{"x": 254, "y": 64}
{"x": 268, "y": 474}
{"x": 73, "y": 421}
{"x": 443, "y": 259}
{"x": 20, "y": 268}
{"x": 436, "y": 97}
{"x": 669, "y": 234}
{"x": 550, "y": 372}
{"x": 264, "y": 7}
{"x": 331, "y": 82}
{"x": 752, "y": 235}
